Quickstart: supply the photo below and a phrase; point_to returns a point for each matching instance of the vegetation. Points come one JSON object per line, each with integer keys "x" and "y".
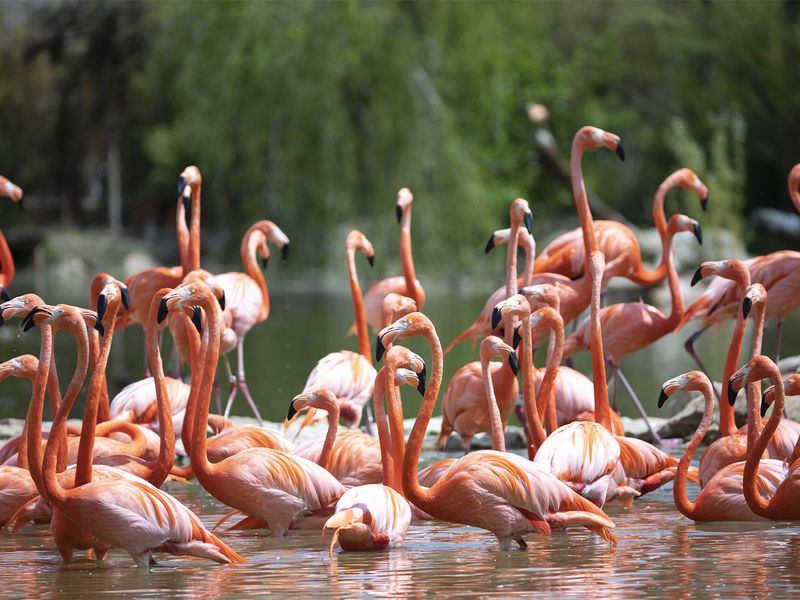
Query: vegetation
{"x": 313, "y": 113}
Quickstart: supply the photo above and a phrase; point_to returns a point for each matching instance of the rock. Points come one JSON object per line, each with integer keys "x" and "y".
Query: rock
{"x": 789, "y": 365}
{"x": 10, "y": 428}
{"x": 637, "y": 428}
{"x": 515, "y": 440}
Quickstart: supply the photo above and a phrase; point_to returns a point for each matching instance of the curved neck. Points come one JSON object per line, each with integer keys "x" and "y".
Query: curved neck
{"x": 398, "y": 432}
{"x": 755, "y": 501}
{"x": 6, "y": 262}
{"x": 418, "y": 495}
{"x": 727, "y": 423}
{"x": 753, "y": 390}
{"x": 674, "y": 283}
{"x": 33, "y": 422}
{"x": 53, "y": 490}
{"x": 83, "y": 468}
{"x": 511, "y": 260}
{"x": 547, "y": 392}
{"x": 495, "y": 422}
{"x": 644, "y": 276}
{"x": 406, "y": 258}
{"x": 197, "y": 367}
{"x": 686, "y": 506}
{"x": 602, "y": 411}
{"x": 384, "y": 437}
{"x": 330, "y": 437}
{"x": 103, "y": 408}
{"x": 529, "y": 246}
{"x": 358, "y": 306}
{"x": 582, "y": 203}
{"x": 194, "y": 230}
{"x": 200, "y": 463}
{"x": 183, "y": 236}
{"x": 536, "y": 434}
{"x": 248, "y": 252}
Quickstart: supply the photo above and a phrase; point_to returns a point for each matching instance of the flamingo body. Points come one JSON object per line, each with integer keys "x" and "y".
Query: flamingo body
{"x": 355, "y": 459}
{"x": 350, "y": 377}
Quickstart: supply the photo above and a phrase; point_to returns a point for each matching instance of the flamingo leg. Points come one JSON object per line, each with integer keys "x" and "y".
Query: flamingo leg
{"x": 657, "y": 439}
{"x": 688, "y": 345}
{"x": 243, "y": 383}
{"x": 369, "y": 421}
{"x": 232, "y": 388}
{"x": 779, "y": 336}
{"x": 613, "y": 378}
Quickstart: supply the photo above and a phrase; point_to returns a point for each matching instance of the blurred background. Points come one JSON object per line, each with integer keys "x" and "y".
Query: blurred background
{"x": 313, "y": 115}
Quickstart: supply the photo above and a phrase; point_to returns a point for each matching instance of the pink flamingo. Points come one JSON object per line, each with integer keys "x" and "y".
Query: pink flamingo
{"x": 565, "y": 254}
{"x": 631, "y": 326}
{"x": 777, "y": 272}
{"x": 14, "y": 192}
{"x": 496, "y": 491}
{"x": 405, "y": 285}
{"x": 347, "y": 374}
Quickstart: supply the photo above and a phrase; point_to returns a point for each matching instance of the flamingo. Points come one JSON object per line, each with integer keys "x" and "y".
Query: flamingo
{"x": 524, "y": 240}
{"x": 791, "y": 387}
{"x": 722, "y": 498}
{"x": 14, "y": 192}
{"x": 628, "y": 327}
{"x": 347, "y": 374}
{"x": 565, "y": 254}
{"x": 271, "y": 485}
{"x": 783, "y": 503}
{"x": 124, "y": 512}
{"x": 247, "y": 298}
{"x": 520, "y": 213}
{"x": 405, "y": 285}
{"x": 777, "y": 272}
{"x": 496, "y": 491}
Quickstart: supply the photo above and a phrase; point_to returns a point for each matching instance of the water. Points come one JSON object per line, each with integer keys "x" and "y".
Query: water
{"x": 660, "y": 553}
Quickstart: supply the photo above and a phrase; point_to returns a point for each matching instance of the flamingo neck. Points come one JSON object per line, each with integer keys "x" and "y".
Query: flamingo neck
{"x": 686, "y": 506}
{"x": 406, "y": 258}
{"x": 6, "y": 262}
{"x": 582, "y": 202}
{"x": 602, "y": 410}
{"x": 54, "y": 493}
{"x": 511, "y": 260}
{"x": 536, "y": 435}
{"x": 33, "y": 421}
{"x": 755, "y": 501}
{"x": 330, "y": 437}
{"x": 183, "y": 236}
{"x": 200, "y": 463}
{"x": 727, "y": 423}
{"x": 419, "y": 496}
{"x": 644, "y": 276}
{"x": 197, "y": 366}
{"x": 674, "y": 283}
{"x": 755, "y": 424}
{"x": 398, "y": 433}
{"x": 384, "y": 437}
{"x": 529, "y": 246}
{"x": 495, "y": 422}
{"x": 83, "y": 468}
{"x": 358, "y": 307}
{"x": 194, "y": 230}
{"x": 248, "y": 251}
{"x": 547, "y": 392}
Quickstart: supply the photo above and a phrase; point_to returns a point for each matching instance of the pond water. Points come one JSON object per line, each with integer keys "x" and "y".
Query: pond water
{"x": 660, "y": 553}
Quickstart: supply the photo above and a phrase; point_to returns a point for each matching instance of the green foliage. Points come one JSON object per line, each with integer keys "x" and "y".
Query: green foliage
{"x": 313, "y": 114}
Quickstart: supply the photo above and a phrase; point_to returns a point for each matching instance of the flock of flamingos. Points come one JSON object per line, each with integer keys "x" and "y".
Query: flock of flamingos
{"x": 98, "y": 483}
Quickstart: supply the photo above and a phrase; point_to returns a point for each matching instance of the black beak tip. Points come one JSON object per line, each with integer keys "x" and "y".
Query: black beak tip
{"x": 265, "y": 263}
{"x": 764, "y": 405}
{"x": 489, "y": 245}
{"x": 291, "y": 412}
{"x": 421, "y": 386}
{"x": 221, "y": 301}
{"x": 379, "y": 349}
{"x": 698, "y": 275}
{"x": 747, "y": 306}
{"x": 102, "y": 303}
{"x": 529, "y": 222}
{"x": 513, "y": 362}
{"x": 4, "y": 294}
{"x": 371, "y": 260}
{"x": 181, "y": 184}
{"x": 162, "y": 310}
{"x": 285, "y": 251}
{"x": 732, "y": 393}
{"x": 662, "y": 397}
{"x": 517, "y": 337}
{"x": 620, "y": 150}
{"x": 704, "y": 203}
{"x": 27, "y": 323}
{"x": 496, "y": 316}
{"x": 197, "y": 319}
{"x": 98, "y": 325}
{"x": 398, "y": 211}
{"x": 126, "y": 299}
{"x": 698, "y": 233}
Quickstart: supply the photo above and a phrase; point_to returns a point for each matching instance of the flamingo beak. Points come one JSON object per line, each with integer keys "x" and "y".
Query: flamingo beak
{"x": 698, "y": 233}
{"x": 732, "y": 393}
{"x": 292, "y": 411}
{"x": 379, "y": 349}
{"x": 489, "y": 245}
{"x": 126, "y": 299}
{"x": 98, "y": 325}
{"x": 285, "y": 251}
{"x": 181, "y": 186}
{"x": 764, "y": 405}
{"x": 698, "y": 275}
{"x": 747, "y": 306}
{"x": 197, "y": 319}
{"x": 371, "y": 260}
{"x": 620, "y": 150}
{"x": 496, "y": 317}
{"x": 398, "y": 211}
{"x": 513, "y": 362}
{"x": 517, "y": 337}
{"x": 102, "y": 304}
{"x": 421, "y": 386}
{"x": 27, "y": 322}
{"x": 221, "y": 301}
{"x": 528, "y": 222}
{"x": 704, "y": 203}
{"x": 662, "y": 398}
{"x": 264, "y": 263}
{"x": 162, "y": 310}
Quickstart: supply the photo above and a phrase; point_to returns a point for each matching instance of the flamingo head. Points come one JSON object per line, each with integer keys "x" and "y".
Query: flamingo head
{"x": 678, "y": 223}
{"x": 521, "y": 213}
{"x": 321, "y": 398}
{"x": 541, "y": 294}
{"x": 395, "y": 306}
{"x": 208, "y": 278}
{"x": 274, "y": 235}
{"x": 688, "y": 180}
{"x": 733, "y": 269}
{"x": 188, "y": 297}
{"x": 492, "y": 346}
{"x": 18, "y": 307}
{"x": 791, "y": 387}
{"x": 498, "y": 238}
{"x": 412, "y": 325}
{"x": 756, "y": 296}
{"x": 63, "y": 317}
{"x": 758, "y": 368}
{"x": 190, "y": 177}
{"x": 515, "y": 306}
{"x": 113, "y": 292}
{"x": 358, "y": 242}
{"x": 593, "y": 137}
{"x": 23, "y": 366}
{"x": 546, "y": 317}
{"x": 691, "y": 381}
{"x": 401, "y": 358}
{"x": 10, "y": 190}
{"x": 404, "y": 201}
